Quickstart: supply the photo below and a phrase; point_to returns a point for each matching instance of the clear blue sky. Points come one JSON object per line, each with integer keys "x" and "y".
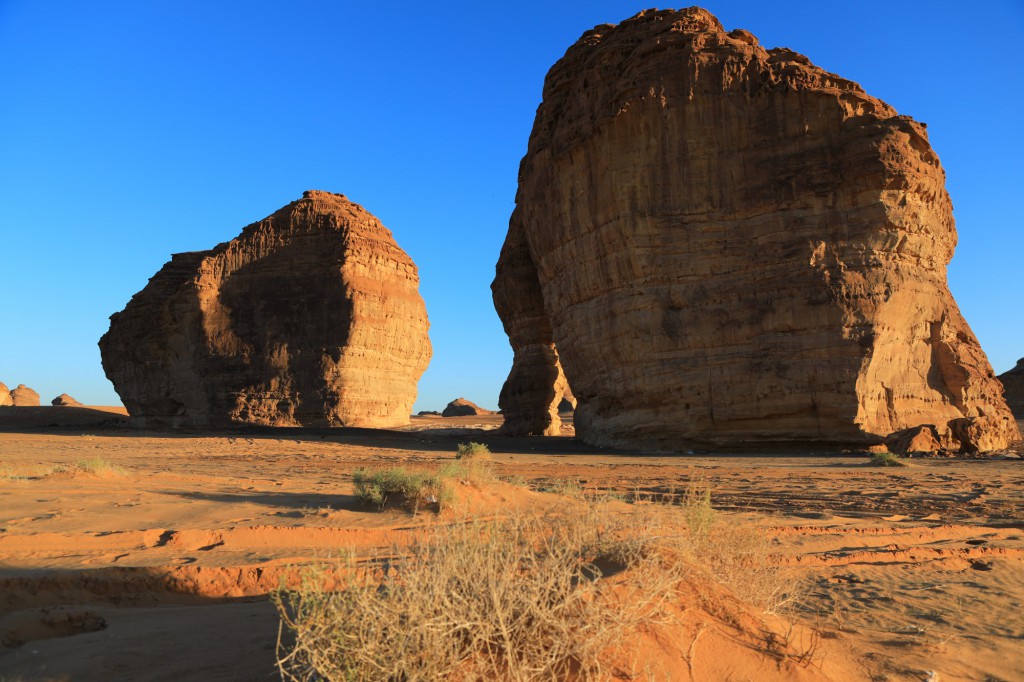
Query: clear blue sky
{"x": 133, "y": 130}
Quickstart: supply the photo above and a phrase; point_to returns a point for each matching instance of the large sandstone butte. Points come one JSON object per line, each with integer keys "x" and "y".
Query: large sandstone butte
{"x": 1013, "y": 382}
{"x": 5, "y": 396}
{"x": 311, "y": 316}
{"x": 726, "y": 246}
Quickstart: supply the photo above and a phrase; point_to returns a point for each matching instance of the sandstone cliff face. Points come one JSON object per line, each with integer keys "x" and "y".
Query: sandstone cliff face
{"x": 1013, "y": 383}
{"x": 5, "y": 396}
{"x": 724, "y": 245}
{"x": 23, "y": 396}
{"x": 311, "y": 316}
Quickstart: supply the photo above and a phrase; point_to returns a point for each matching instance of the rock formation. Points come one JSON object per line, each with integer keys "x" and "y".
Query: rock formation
{"x": 719, "y": 245}
{"x": 23, "y": 396}
{"x": 1013, "y": 383}
{"x": 460, "y": 407}
{"x": 5, "y": 396}
{"x": 64, "y": 400}
{"x": 311, "y": 316}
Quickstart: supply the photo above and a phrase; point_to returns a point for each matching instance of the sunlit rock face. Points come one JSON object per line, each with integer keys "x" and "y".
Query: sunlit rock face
{"x": 721, "y": 245}
{"x": 311, "y": 316}
{"x": 21, "y": 396}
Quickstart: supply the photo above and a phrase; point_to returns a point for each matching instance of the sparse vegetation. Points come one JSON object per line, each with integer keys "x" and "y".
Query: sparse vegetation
{"x": 568, "y": 487}
{"x": 697, "y": 509}
{"x": 524, "y": 597}
{"x": 887, "y": 459}
{"x": 477, "y": 451}
{"x": 96, "y": 466}
{"x": 411, "y": 489}
{"x": 10, "y": 475}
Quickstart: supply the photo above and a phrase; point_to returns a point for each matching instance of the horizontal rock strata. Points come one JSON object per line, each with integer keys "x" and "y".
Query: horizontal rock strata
{"x": 722, "y": 245}
{"x": 311, "y": 316}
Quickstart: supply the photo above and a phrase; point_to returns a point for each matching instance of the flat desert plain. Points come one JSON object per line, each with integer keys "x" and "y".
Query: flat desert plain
{"x": 144, "y": 555}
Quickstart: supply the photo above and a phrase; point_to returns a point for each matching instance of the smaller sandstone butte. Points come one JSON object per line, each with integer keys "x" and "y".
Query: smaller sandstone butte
{"x": 23, "y": 396}
{"x": 310, "y": 317}
{"x": 64, "y": 400}
{"x": 5, "y": 396}
{"x": 1013, "y": 383}
{"x": 460, "y": 407}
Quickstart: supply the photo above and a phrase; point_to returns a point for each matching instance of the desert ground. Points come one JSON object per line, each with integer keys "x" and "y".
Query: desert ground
{"x": 156, "y": 561}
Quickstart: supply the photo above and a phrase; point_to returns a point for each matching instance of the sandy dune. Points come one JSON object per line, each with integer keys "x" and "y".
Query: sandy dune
{"x": 159, "y": 570}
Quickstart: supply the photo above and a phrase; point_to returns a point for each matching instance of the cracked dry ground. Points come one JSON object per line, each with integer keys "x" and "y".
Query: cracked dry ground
{"x": 918, "y": 569}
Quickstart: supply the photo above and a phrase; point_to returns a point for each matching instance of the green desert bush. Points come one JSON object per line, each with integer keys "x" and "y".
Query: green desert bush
{"x": 411, "y": 489}
{"x": 886, "y": 459}
{"x": 477, "y": 451}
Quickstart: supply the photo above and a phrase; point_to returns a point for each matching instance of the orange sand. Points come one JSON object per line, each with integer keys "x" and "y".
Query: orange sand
{"x": 160, "y": 572}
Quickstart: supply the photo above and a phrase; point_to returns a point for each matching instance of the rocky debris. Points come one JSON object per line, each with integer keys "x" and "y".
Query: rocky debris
{"x": 23, "y": 396}
{"x": 720, "y": 245}
{"x": 64, "y": 400}
{"x": 5, "y": 396}
{"x": 1013, "y": 383}
{"x": 460, "y": 407}
{"x": 311, "y": 316}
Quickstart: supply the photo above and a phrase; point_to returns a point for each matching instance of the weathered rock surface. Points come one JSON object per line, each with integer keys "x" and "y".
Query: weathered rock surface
{"x": 311, "y": 316}
{"x": 23, "y": 396}
{"x": 722, "y": 245}
{"x": 5, "y": 396}
{"x": 1013, "y": 383}
{"x": 64, "y": 400}
{"x": 460, "y": 407}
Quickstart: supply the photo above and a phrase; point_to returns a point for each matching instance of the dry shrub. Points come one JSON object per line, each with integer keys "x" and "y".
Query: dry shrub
{"x": 739, "y": 557}
{"x": 97, "y": 466}
{"x": 526, "y": 597}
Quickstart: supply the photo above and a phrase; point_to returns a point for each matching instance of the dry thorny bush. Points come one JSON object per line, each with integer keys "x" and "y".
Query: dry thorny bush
{"x": 528, "y": 596}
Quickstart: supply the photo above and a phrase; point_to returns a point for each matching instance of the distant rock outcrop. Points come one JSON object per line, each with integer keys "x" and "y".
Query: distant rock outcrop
{"x": 5, "y": 396}
{"x": 311, "y": 316}
{"x": 23, "y": 396}
{"x": 721, "y": 245}
{"x": 1013, "y": 383}
{"x": 64, "y": 400}
{"x": 460, "y": 407}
